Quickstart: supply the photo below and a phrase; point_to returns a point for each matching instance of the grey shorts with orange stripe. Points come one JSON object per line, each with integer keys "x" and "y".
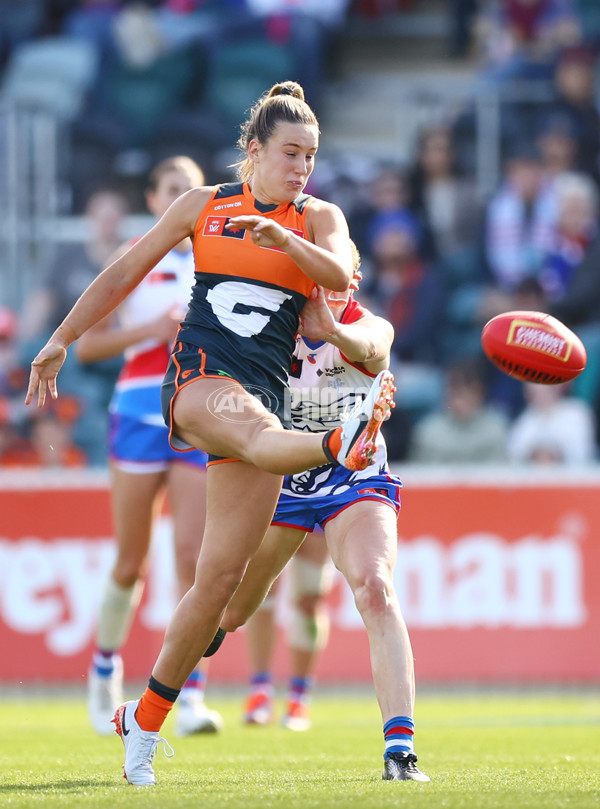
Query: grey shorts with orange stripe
{"x": 190, "y": 363}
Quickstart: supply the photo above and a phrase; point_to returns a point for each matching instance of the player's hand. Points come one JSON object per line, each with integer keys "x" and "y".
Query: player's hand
{"x": 44, "y": 370}
{"x": 316, "y": 319}
{"x": 263, "y": 232}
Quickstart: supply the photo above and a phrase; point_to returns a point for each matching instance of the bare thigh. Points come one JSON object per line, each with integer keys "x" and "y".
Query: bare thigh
{"x": 135, "y": 501}
{"x": 363, "y": 541}
{"x": 186, "y": 489}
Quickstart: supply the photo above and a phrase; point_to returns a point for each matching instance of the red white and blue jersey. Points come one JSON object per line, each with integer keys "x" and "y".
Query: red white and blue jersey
{"x": 167, "y": 285}
{"x": 324, "y": 386}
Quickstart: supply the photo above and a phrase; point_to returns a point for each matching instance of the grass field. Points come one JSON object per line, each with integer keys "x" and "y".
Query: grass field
{"x": 482, "y": 751}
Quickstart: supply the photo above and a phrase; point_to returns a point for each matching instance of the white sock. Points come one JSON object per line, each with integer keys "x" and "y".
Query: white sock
{"x": 116, "y": 614}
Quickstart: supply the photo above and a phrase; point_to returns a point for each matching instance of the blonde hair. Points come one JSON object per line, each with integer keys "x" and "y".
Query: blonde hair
{"x": 180, "y": 163}
{"x": 574, "y": 184}
{"x": 283, "y": 102}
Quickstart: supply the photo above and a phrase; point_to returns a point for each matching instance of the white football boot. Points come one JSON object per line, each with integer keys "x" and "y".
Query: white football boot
{"x": 140, "y": 746}
{"x": 105, "y": 693}
{"x": 358, "y": 433}
{"x": 193, "y": 716}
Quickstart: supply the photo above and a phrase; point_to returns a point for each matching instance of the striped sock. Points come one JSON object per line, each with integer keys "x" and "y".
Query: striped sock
{"x": 104, "y": 662}
{"x": 398, "y": 733}
{"x": 154, "y": 705}
{"x": 299, "y": 689}
{"x": 194, "y": 687}
{"x": 262, "y": 683}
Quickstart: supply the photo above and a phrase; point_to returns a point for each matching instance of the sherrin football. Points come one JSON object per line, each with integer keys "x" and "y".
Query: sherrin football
{"x": 533, "y": 347}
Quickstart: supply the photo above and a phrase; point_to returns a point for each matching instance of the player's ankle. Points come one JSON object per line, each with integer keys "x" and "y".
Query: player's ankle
{"x": 332, "y": 443}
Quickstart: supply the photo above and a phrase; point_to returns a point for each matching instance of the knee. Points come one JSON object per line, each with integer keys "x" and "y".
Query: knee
{"x": 374, "y": 594}
{"x": 308, "y": 604}
{"x": 232, "y": 619}
{"x": 308, "y": 628}
{"x": 127, "y": 572}
{"x": 236, "y": 615}
{"x": 219, "y": 585}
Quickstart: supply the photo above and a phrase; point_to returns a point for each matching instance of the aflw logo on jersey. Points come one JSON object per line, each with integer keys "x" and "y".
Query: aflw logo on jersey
{"x": 215, "y": 226}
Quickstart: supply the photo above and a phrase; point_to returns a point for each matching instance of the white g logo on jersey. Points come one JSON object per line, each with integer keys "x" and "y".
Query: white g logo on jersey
{"x": 225, "y": 296}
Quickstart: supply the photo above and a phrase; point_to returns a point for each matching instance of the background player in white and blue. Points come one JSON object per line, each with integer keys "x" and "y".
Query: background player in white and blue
{"x": 342, "y": 346}
{"x": 142, "y": 463}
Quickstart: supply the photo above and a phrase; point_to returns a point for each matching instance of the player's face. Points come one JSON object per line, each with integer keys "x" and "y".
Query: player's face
{"x": 283, "y": 165}
{"x": 171, "y": 185}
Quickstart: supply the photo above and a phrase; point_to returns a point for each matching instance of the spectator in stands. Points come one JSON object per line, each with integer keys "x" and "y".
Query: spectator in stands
{"x": 574, "y": 82}
{"x": 519, "y": 220}
{"x": 76, "y": 264}
{"x": 576, "y": 228}
{"x": 51, "y": 436}
{"x": 556, "y": 142}
{"x": 12, "y": 374}
{"x": 445, "y": 202}
{"x": 463, "y": 14}
{"x": 12, "y": 444}
{"x": 74, "y": 267}
{"x": 387, "y": 203}
{"x": 48, "y": 441}
{"x": 555, "y": 427}
{"x": 407, "y": 291}
{"x": 464, "y": 429}
{"x": 521, "y": 38}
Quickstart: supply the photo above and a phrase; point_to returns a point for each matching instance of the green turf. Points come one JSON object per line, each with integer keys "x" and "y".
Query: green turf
{"x": 485, "y": 751}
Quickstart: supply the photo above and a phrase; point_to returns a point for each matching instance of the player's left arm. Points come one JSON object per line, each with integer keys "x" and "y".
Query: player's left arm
{"x": 367, "y": 341}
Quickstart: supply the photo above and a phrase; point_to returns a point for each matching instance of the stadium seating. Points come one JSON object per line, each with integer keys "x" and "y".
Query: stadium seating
{"x": 51, "y": 74}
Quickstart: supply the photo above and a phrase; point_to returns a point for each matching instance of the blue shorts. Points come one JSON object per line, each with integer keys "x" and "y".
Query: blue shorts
{"x": 307, "y": 512}
{"x": 137, "y": 446}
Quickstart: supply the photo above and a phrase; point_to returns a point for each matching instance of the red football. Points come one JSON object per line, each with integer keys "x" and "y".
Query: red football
{"x": 534, "y": 347}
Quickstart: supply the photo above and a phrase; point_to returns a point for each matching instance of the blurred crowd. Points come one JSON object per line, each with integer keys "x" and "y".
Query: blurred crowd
{"x": 438, "y": 259}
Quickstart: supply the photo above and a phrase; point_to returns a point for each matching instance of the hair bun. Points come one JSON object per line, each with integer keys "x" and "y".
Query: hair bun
{"x": 287, "y": 88}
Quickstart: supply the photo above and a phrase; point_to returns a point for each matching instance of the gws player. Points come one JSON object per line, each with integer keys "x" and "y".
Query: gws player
{"x": 260, "y": 247}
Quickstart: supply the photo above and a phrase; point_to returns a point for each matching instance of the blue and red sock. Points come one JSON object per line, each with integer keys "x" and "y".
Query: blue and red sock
{"x": 398, "y": 733}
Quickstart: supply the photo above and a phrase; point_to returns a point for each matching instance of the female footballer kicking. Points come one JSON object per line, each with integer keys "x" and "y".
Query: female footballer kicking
{"x": 260, "y": 247}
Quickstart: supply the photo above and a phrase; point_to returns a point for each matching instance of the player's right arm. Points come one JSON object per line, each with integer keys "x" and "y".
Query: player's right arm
{"x": 113, "y": 285}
